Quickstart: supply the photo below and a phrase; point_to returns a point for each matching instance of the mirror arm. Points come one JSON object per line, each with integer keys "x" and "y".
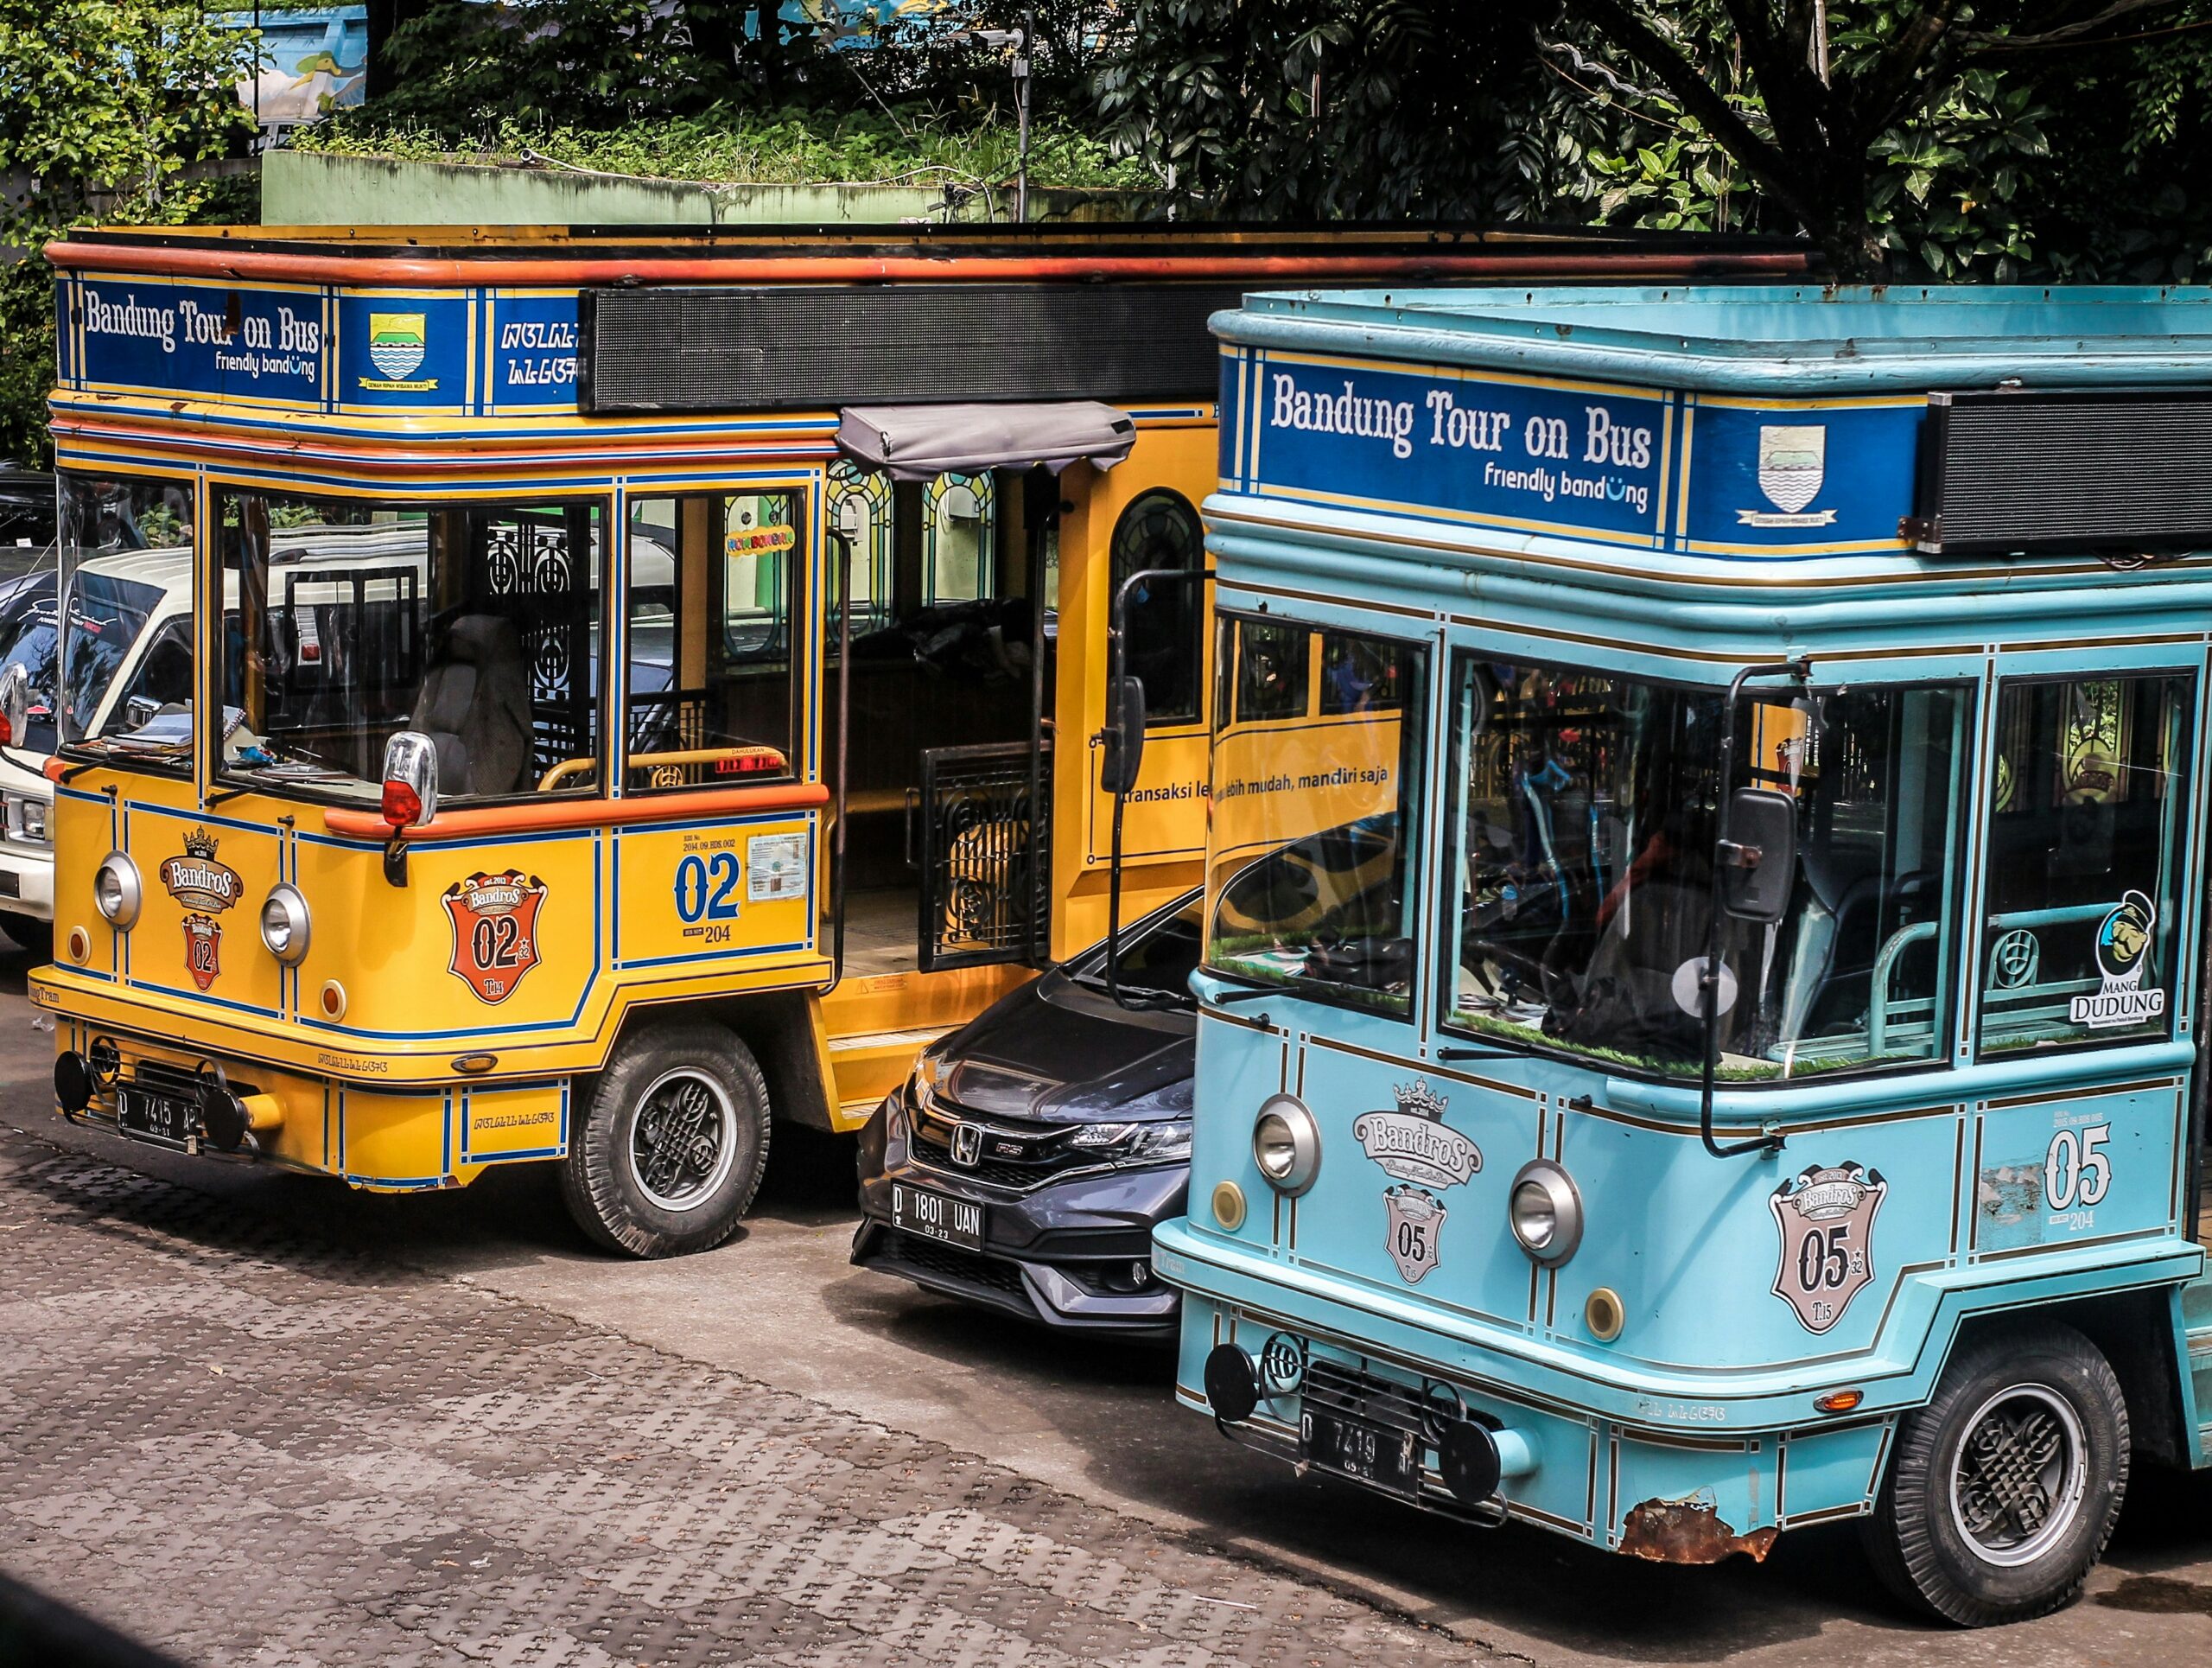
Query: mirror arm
{"x": 1726, "y": 852}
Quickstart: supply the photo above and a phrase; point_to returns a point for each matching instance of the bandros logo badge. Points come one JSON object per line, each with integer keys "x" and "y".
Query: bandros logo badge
{"x": 2123, "y": 956}
{"x": 396, "y": 343}
{"x": 1826, "y": 1219}
{"x": 494, "y": 920}
{"x": 1414, "y": 1145}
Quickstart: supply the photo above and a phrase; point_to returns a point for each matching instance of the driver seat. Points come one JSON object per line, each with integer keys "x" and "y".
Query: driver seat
{"x": 474, "y": 706}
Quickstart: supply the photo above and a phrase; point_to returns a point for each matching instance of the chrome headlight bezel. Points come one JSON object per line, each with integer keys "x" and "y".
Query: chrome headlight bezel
{"x": 25, "y": 809}
{"x": 1551, "y": 1190}
{"x": 119, "y": 904}
{"x": 293, "y": 922}
{"x": 1298, "y": 1147}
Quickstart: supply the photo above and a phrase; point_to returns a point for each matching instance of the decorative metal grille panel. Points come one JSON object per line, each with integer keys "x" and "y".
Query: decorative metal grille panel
{"x": 985, "y": 856}
{"x": 527, "y": 564}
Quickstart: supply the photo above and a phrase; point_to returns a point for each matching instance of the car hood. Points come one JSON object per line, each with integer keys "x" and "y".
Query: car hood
{"x": 1056, "y": 1050}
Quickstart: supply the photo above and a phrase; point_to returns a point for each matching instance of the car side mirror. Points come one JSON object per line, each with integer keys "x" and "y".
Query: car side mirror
{"x": 410, "y": 779}
{"x": 1759, "y": 857}
{"x": 1123, "y": 738}
{"x": 14, "y": 703}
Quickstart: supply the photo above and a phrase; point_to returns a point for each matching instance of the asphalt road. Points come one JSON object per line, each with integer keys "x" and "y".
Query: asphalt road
{"x": 780, "y": 1308}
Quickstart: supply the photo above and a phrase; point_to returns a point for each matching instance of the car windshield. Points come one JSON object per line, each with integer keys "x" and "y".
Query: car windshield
{"x": 126, "y": 557}
{"x": 1583, "y": 835}
{"x": 1155, "y": 964}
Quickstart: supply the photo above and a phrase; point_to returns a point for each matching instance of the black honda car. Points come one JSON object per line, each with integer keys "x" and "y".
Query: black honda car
{"x": 1024, "y": 1163}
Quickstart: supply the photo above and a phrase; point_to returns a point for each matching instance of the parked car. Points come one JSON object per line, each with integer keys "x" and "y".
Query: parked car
{"x": 27, "y": 512}
{"x": 1023, "y": 1165}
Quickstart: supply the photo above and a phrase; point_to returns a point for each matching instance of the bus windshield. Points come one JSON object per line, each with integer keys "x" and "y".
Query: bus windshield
{"x": 1582, "y": 840}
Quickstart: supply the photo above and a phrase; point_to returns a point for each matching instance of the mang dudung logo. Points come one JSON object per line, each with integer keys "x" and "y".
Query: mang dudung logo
{"x": 2123, "y": 956}
{"x": 398, "y": 342}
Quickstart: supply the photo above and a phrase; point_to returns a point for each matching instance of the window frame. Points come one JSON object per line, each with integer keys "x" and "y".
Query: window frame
{"x": 798, "y": 566}
{"x": 1198, "y": 646}
{"x": 2186, "y": 925}
{"x": 212, "y": 676}
{"x": 1967, "y": 778}
{"x": 1414, "y": 819}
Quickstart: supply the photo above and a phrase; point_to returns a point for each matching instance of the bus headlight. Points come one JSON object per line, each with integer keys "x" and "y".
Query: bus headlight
{"x": 116, "y": 891}
{"x": 285, "y": 924}
{"x": 1545, "y": 1210}
{"x": 1286, "y": 1144}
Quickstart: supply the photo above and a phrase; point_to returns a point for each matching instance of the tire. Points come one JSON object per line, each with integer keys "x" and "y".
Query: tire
{"x": 36, "y": 936}
{"x": 2036, "y": 1395}
{"x": 633, "y": 1189}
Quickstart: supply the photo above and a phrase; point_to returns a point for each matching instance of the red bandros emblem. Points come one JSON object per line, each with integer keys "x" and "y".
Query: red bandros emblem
{"x": 494, "y": 929}
{"x": 206, "y": 888}
{"x": 1826, "y": 1218}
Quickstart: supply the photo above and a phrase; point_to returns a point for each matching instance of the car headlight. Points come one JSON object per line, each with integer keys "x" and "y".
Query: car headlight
{"x": 1545, "y": 1211}
{"x": 27, "y": 814}
{"x": 1136, "y": 1144}
{"x": 285, "y": 924}
{"x": 116, "y": 891}
{"x": 1286, "y": 1144}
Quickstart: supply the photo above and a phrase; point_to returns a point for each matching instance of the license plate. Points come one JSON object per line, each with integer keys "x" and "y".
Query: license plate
{"x": 937, "y": 1216}
{"x": 165, "y": 1120}
{"x": 1353, "y": 1447}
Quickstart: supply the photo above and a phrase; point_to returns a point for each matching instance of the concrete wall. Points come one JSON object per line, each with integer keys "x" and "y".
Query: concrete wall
{"x": 306, "y": 188}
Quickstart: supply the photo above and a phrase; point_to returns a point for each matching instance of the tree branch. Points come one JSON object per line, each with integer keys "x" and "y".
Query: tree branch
{"x": 1991, "y": 40}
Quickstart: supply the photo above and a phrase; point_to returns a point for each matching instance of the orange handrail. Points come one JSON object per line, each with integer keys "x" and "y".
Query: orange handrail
{"x": 552, "y": 815}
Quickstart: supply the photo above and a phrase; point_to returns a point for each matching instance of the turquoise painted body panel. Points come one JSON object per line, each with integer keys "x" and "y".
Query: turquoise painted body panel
{"x": 1625, "y": 498}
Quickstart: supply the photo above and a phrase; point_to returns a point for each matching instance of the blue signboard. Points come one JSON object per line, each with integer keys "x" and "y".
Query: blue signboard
{"x": 1648, "y": 467}
{"x": 198, "y": 339}
{"x": 404, "y": 351}
{"x": 533, "y": 351}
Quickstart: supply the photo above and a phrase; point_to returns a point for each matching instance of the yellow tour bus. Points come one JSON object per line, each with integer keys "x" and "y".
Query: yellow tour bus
{"x": 626, "y": 690}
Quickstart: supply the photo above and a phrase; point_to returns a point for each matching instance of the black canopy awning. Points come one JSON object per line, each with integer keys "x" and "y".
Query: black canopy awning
{"x": 920, "y": 442}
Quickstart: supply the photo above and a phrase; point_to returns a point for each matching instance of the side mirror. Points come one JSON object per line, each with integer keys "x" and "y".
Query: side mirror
{"x": 1759, "y": 857}
{"x": 14, "y": 703}
{"x": 1124, "y": 737}
{"x": 410, "y": 779}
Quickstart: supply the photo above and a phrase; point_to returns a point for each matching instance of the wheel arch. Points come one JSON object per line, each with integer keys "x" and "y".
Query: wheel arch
{"x": 2135, "y": 1331}
{"x": 778, "y": 1026}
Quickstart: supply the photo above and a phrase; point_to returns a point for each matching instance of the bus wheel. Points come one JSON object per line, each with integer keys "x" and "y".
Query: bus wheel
{"x": 2004, "y": 1489}
{"x": 673, "y": 1141}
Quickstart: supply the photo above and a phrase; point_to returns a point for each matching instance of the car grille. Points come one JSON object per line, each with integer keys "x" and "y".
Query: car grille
{"x": 1338, "y": 1389}
{"x": 952, "y": 1262}
{"x": 1045, "y": 1152}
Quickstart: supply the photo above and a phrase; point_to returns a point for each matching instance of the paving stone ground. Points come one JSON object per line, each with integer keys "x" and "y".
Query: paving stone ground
{"x": 244, "y": 1446}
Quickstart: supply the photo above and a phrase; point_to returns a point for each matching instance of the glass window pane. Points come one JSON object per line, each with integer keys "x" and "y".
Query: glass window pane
{"x": 1158, "y": 530}
{"x": 476, "y": 625}
{"x": 1312, "y": 880}
{"x": 2090, "y": 799}
{"x": 125, "y": 573}
{"x": 860, "y": 509}
{"x": 712, "y": 579}
{"x": 1584, "y": 838}
{"x": 959, "y": 532}
{"x": 1270, "y": 671}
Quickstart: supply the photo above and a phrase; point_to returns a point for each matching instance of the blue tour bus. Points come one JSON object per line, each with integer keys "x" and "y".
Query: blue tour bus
{"x": 1705, "y": 892}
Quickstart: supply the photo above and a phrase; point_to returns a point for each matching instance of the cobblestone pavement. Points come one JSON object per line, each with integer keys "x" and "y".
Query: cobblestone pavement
{"x": 245, "y": 1447}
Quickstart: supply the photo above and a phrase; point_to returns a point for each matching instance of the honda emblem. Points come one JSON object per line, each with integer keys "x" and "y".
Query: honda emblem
{"x": 966, "y": 1143}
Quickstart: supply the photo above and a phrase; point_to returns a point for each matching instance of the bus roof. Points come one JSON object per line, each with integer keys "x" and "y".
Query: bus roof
{"x": 1780, "y": 341}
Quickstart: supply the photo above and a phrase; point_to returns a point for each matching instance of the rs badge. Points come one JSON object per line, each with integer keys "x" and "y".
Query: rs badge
{"x": 1416, "y": 1148}
{"x": 494, "y": 929}
{"x": 1826, "y": 1218}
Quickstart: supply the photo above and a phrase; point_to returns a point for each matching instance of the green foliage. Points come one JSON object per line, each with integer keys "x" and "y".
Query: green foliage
{"x": 790, "y": 145}
{"x": 103, "y": 106}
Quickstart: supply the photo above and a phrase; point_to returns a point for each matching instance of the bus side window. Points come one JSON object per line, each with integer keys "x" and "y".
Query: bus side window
{"x": 1271, "y": 670}
{"x": 2089, "y": 806}
{"x": 1159, "y": 530}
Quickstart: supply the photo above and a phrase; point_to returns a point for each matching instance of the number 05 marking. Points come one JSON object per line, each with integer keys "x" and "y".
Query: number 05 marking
{"x": 2076, "y": 1171}
{"x": 703, "y": 886}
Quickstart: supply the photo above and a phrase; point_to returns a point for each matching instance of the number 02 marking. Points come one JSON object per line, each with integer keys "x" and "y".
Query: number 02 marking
{"x": 703, "y": 886}
{"x": 2076, "y": 1171}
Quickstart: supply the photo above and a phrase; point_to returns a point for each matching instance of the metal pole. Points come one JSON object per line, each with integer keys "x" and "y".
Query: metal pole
{"x": 1021, "y": 114}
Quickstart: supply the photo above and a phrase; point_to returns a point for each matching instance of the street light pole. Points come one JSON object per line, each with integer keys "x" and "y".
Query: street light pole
{"x": 1021, "y": 113}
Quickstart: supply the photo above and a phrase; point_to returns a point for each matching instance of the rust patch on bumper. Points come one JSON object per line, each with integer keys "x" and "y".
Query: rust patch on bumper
{"x": 1682, "y": 1531}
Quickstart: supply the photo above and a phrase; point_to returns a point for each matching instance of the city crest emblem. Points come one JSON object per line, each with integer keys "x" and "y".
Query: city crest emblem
{"x": 1826, "y": 1219}
{"x": 1793, "y": 466}
{"x": 494, "y": 929}
{"x": 1424, "y": 1156}
{"x": 396, "y": 343}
